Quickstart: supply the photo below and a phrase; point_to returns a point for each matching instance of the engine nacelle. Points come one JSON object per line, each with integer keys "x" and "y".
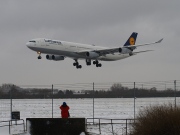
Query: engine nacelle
{"x": 54, "y": 57}
{"x": 49, "y": 57}
{"x": 92, "y": 54}
{"x": 131, "y": 54}
{"x": 57, "y": 57}
{"x": 124, "y": 50}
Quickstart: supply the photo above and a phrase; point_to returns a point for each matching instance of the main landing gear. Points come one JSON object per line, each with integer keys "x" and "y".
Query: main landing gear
{"x": 96, "y": 62}
{"x": 76, "y": 63}
{"x": 39, "y": 57}
{"x": 88, "y": 62}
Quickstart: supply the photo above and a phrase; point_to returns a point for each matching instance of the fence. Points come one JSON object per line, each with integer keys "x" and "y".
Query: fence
{"x": 11, "y": 123}
{"x": 83, "y": 98}
{"x": 113, "y": 126}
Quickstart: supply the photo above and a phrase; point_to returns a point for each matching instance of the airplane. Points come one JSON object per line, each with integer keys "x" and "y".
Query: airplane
{"x": 58, "y": 50}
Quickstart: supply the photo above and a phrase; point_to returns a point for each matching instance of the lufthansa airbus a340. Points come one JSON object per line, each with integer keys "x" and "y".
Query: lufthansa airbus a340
{"x": 58, "y": 50}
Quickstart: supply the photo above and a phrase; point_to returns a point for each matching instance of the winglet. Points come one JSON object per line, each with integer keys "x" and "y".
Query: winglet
{"x": 159, "y": 41}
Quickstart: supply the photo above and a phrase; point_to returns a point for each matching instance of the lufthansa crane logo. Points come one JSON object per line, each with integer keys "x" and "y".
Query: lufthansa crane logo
{"x": 131, "y": 41}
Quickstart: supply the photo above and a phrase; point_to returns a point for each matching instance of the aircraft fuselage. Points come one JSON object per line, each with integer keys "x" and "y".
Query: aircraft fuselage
{"x": 70, "y": 49}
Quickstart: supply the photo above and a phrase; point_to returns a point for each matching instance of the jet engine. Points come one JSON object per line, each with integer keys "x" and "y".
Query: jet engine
{"x": 54, "y": 57}
{"x": 124, "y": 50}
{"x": 49, "y": 57}
{"x": 92, "y": 54}
{"x": 57, "y": 57}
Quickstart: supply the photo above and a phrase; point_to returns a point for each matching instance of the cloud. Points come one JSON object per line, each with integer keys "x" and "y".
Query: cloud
{"x": 103, "y": 22}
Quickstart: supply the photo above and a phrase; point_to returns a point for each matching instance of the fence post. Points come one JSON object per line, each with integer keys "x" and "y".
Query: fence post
{"x": 9, "y": 127}
{"x": 134, "y": 101}
{"x": 175, "y": 92}
{"x": 126, "y": 126}
{"x": 99, "y": 126}
{"x": 93, "y": 102}
{"x": 52, "y": 100}
{"x": 112, "y": 127}
{"x": 11, "y": 103}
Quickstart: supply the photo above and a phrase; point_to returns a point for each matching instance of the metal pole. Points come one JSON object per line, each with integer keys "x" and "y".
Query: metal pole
{"x": 99, "y": 126}
{"x": 11, "y": 101}
{"x": 112, "y": 127}
{"x": 52, "y": 100}
{"x": 9, "y": 127}
{"x": 175, "y": 92}
{"x": 126, "y": 126}
{"x": 134, "y": 101}
{"x": 93, "y": 102}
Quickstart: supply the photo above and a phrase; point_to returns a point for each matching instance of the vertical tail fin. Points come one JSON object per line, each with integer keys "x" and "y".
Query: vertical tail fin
{"x": 132, "y": 39}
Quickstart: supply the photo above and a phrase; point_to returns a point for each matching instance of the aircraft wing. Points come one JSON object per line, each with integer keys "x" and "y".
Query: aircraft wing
{"x": 115, "y": 50}
{"x": 159, "y": 41}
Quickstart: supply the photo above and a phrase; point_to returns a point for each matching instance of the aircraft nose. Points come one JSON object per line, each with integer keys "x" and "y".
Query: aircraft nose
{"x": 28, "y": 44}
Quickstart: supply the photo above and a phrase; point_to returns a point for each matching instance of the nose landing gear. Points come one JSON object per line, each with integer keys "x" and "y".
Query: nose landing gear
{"x": 39, "y": 57}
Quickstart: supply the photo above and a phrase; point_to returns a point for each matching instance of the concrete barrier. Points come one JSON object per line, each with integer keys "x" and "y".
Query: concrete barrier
{"x": 55, "y": 126}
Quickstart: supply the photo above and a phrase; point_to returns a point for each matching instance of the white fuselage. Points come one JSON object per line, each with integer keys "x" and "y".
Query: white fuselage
{"x": 70, "y": 49}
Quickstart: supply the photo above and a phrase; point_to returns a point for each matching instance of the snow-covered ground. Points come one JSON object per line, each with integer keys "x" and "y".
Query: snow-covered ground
{"x": 113, "y": 108}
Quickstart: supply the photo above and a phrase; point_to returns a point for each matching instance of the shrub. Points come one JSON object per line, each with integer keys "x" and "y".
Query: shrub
{"x": 158, "y": 120}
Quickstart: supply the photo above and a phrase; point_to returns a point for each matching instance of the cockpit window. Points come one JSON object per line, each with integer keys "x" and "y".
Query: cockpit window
{"x": 32, "y": 41}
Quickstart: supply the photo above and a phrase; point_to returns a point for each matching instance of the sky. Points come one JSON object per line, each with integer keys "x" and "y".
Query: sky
{"x": 106, "y": 23}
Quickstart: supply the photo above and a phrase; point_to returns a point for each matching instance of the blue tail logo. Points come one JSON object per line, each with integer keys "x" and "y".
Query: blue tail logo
{"x": 132, "y": 39}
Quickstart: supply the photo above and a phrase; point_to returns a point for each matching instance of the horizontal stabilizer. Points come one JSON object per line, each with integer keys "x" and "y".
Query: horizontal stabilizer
{"x": 159, "y": 41}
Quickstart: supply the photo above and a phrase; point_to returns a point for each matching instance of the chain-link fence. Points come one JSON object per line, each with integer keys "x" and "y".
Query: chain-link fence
{"x": 95, "y": 100}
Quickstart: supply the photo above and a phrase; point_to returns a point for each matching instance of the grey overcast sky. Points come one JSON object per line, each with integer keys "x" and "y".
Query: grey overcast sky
{"x": 101, "y": 22}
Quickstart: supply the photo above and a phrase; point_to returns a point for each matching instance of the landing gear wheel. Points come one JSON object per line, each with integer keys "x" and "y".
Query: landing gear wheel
{"x": 95, "y": 62}
{"x": 39, "y": 57}
{"x": 78, "y": 66}
{"x": 88, "y": 63}
{"x": 98, "y": 65}
{"x": 74, "y": 64}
